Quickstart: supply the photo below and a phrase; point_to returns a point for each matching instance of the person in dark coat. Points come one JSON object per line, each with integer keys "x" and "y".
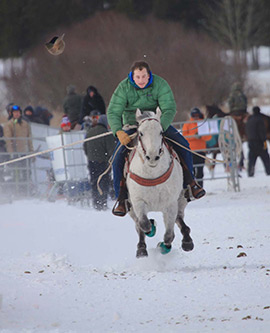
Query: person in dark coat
{"x": 256, "y": 136}
{"x": 98, "y": 152}
{"x": 237, "y": 100}
{"x": 29, "y": 115}
{"x": 44, "y": 114}
{"x": 72, "y": 105}
{"x": 92, "y": 101}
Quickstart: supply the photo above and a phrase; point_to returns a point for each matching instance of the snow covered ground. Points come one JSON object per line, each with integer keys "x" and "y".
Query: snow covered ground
{"x": 70, "y": 269}
{"x": 66, "y": 269}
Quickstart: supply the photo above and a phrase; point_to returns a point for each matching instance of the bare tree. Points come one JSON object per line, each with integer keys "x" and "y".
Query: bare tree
{"x": 237, "y": 24}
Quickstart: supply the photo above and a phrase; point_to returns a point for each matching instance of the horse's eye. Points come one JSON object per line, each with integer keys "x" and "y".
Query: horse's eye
{"x": 140, "y": 133}
{"x": 161, "y": 132}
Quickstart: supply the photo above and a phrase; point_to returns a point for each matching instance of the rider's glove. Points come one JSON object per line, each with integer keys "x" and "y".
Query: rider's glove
{"x": 123, "y": 137}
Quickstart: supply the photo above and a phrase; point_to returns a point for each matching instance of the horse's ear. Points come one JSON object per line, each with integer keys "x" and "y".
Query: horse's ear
{"x": 158, "y": 112}
{"x": 138, "y": 114}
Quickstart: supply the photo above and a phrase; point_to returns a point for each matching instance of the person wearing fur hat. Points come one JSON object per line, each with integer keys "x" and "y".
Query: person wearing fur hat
{"x": 92, "y": 101}
{"x": 17, "y": 127}
{"x": 98, "y": 153}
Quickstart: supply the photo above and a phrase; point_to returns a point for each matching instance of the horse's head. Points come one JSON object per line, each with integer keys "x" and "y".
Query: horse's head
{"x": 150, "y": 139}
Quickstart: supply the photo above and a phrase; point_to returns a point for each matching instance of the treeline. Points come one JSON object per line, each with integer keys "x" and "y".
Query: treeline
{"x": 100, "y": 51}
{"x": 236, "y": 24}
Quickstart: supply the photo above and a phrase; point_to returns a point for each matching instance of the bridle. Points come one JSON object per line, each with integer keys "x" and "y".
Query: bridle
{"x": 161, "y": 151}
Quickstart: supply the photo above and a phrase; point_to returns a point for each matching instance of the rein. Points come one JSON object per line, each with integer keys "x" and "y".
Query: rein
{"x": 134, "y": 148}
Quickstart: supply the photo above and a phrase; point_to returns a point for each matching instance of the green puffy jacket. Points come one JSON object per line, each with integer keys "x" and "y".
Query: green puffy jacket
{"x": 127, "y": 98}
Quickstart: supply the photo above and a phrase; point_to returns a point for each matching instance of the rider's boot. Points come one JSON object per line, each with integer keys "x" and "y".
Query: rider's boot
{"x": 120, "y": 209}
{"x": 197, "y": 191}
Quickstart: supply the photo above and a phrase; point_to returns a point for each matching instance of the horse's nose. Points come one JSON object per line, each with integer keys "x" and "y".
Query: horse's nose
{"x": 155, "y": 158}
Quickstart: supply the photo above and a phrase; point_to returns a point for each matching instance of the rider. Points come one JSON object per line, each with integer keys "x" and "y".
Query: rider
{"x": 146, "y": 91}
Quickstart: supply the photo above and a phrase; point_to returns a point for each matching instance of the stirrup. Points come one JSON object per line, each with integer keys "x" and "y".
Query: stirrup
{"x": 188, "y": 194}
{"x": 200, "y": 193}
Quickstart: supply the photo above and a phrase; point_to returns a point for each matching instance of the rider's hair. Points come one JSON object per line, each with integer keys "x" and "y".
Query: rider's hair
{"x": 140, "y": 65}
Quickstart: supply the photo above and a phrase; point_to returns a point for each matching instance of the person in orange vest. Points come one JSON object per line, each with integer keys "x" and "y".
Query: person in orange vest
{"x": 196, "y": 142}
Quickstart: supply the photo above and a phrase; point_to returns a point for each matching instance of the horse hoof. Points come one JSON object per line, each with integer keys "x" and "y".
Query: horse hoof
{"x": 141, "y": 253}
{"x": 187, "y": 246}
{"x": 164, "y": 249}
{"x": 153, "y": 229}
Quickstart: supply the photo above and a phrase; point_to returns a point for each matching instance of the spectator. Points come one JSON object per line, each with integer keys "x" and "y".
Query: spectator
{"x": 8, "y": 108}
{"x": 92, "y": 101}
{"x": 237, "y": 100}
{"x": 28, "y": 115}
{"x": 94, "y": 117}
{"x": 98, "y": 152}
{"x": 3, "y": 153}
{"x": 65, "y": 124}
{"x": 15, "y": 128}
{"x": 87, "y": 123}
{"x": 72, "y": 105}
{"x": 197, "y": 143}
{"x": 256, "y": 136}
{"x": 44, "y": 114}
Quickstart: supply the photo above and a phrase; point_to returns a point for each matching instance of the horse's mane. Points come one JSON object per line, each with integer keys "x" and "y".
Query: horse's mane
{"x": 146, "y": 114}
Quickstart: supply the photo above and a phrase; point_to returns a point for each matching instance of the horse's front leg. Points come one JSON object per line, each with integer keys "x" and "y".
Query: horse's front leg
{"x": 141, "y": 246}
{"x": 169, "y": 217}
{"x": 141, "y": 213}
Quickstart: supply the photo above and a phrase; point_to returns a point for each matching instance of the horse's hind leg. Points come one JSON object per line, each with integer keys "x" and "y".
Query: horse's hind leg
{"x": 187, "y": 242}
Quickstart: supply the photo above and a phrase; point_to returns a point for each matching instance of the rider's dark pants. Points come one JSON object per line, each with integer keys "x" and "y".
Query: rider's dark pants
{"x": 119, "y": 158}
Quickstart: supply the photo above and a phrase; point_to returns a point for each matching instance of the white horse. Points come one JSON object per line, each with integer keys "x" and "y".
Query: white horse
{"x": 154, "y": 179}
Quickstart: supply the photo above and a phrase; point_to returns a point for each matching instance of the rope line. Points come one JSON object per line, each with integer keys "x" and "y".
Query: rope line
{"x": 195, "y": 153}
{"x": 99, "y": 136}
{"x": 53, "y": 149}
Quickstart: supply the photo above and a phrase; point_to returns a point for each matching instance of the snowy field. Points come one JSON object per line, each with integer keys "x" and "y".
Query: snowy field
{"x": 68, "y": 269}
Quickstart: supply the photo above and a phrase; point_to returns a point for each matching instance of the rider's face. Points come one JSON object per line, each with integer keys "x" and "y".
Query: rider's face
{"x": 141, "y": 77}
